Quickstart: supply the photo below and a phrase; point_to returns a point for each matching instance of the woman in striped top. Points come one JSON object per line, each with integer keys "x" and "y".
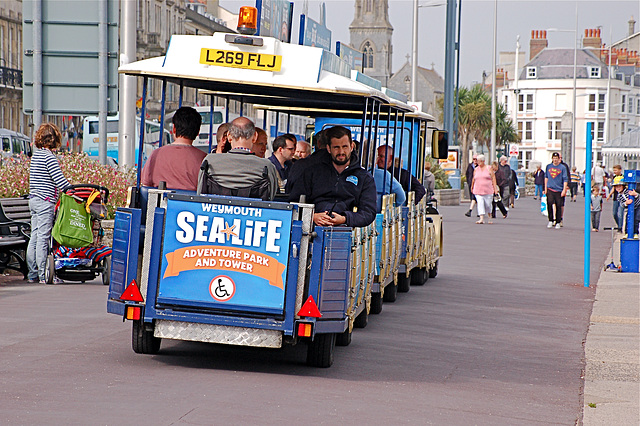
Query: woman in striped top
{"x": 45, "y": 182}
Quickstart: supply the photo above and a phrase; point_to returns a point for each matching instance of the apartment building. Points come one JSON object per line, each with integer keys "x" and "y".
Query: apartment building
{"x": 541, "y": 99}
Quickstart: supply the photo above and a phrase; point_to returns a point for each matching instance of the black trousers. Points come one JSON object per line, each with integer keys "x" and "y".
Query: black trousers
{"x": 499, "y": 204}
{"x": 554, "y": 199}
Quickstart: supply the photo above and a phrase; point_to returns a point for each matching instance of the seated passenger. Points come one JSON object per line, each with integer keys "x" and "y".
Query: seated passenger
{"x": 403, "y": 175}
{"x": 336, "y": 184}
{"x": 382, "y": 187}
{"x": 222, "y": 140}
{"x": 299, "y": 166}
{"x": 238, "y": 172}
{"x": 259, "y": 147}
{"x": 283, "y": 148}
{"x": 303, "y": 150}
{"x": 177, "y": 164}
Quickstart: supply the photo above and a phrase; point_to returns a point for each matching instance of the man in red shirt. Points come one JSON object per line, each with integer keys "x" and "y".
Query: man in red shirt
{"x": 177, "y": 164}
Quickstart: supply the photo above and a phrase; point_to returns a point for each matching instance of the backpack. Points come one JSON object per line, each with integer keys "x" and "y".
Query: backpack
{"x": 259, "y": 189}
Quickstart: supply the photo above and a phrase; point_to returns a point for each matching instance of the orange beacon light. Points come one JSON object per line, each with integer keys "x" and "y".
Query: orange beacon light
{"x": 248, "y": 20}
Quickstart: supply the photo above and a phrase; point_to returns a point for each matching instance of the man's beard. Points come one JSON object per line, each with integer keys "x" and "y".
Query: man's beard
{"x": 340, "y": 162}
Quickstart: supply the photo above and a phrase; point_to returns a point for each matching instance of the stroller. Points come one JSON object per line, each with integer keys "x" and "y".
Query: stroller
{"x": 85, "y": 263}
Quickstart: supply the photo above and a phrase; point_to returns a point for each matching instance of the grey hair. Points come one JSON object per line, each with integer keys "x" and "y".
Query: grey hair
{"x": 242, "y": 129}
{"x": 504, "y": 157}
{"x": 480, "y": 157}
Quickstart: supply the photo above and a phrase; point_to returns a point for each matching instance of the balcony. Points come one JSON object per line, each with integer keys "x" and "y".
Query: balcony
{"x": 10, "y": 77}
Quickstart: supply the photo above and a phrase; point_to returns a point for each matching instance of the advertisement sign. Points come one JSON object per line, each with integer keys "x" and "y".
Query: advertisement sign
{"x": 352, "y": 56}
{"x": 227, "y": 256}
{"x": 275, "y": 18}
{"x": 450, "y": 163}
{"x": 314, "y": 34}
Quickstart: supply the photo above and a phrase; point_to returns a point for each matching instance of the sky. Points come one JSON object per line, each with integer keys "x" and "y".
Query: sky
{"x": 515, "y": 17}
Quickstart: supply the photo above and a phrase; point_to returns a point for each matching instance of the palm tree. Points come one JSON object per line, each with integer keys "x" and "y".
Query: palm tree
{"x": 474, "y": 117}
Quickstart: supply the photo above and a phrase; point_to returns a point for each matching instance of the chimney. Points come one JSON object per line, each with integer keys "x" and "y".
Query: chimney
{"x": 538, "y": 42}
{"x": 591, "y": 39}
{"x": 632, "y": 26}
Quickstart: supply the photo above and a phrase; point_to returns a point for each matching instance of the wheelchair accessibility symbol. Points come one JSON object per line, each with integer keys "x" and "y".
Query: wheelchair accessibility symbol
{"x": 222, "y": 288}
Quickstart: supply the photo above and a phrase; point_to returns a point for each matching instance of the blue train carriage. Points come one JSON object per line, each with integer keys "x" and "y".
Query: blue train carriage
{"x": 241, "y": 271}
{"x": 409, "y": 237}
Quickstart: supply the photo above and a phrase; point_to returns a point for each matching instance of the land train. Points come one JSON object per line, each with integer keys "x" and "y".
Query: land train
{"x": 243, "y": 271}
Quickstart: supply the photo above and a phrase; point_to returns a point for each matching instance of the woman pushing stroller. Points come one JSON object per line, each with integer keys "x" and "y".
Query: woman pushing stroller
{"x": 46, "y": 181}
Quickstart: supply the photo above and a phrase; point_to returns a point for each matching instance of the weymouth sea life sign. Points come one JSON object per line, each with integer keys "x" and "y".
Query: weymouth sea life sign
{"x": 222, "y": 254}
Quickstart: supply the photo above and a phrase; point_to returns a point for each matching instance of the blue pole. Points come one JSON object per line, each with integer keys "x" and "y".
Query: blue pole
{"x": 587, "y": 207}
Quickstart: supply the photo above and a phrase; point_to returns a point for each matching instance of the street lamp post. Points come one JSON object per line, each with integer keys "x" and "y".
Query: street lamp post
{"x": 414, "y": 45}
{"x": 492, "y": 152}
{"x": 575, "y": 68}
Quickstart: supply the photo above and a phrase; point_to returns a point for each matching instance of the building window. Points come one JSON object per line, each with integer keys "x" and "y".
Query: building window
{"x": 555, "y": 130}
{"x": 599, "y": 129}
{"x": 368, "y": 55}
{"x": 506, "y": 103}
{"x": 596, "y": 101}
{"x": 623, "y": 104}
{"x": 525, "y": 102}
{"x": 623, "y": 127}
{"x": 524, "y": 158}
{"x": 531, "y": 72}
{"x": 594, "y": 72}
{"x": 630, "y": 105}
{"x": 525, "y": 130}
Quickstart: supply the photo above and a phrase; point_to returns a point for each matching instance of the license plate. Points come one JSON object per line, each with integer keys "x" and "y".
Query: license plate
{"x": 234, "y": 59}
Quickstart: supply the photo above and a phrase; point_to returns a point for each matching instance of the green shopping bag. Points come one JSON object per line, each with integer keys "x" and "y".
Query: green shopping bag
{"x": 73, "y": 225}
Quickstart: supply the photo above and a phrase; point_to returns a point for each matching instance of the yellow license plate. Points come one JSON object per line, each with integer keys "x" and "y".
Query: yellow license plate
{"x": 233, "y": 59}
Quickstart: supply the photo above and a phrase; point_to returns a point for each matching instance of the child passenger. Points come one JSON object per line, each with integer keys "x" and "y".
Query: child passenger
{"x": 596, "y": 208}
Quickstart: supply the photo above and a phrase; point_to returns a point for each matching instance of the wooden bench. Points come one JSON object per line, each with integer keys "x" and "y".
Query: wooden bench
{"x": 15, "y": 228}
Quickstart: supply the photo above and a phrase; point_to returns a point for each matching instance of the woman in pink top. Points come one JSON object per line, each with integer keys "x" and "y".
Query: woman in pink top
{"x": 483, "y": 187}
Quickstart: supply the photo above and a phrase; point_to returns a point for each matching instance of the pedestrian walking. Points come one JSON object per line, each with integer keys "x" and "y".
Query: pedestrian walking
{"x": 498, "y": 200}
{"x": 46, "y": 181}
{"x": 484, "y": 187}
{"x": 538, "y": 180}
{"x": 598, "y": 174}
{"x": 583, "y": 182}
{"x": 574, "y": 178}
{"x": 469, "y": 175}
{"x": 555, "y": 188}
{"x": 596, "y": 208}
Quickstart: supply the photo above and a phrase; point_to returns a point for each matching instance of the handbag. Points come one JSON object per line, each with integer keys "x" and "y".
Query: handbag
{"x": 72, "y": 227}
{"x": 497, "y": 198}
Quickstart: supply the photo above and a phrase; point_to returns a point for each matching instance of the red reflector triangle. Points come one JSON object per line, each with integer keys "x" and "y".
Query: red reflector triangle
{"x": 310, "y": 309}
{"x": 132, "y": 293}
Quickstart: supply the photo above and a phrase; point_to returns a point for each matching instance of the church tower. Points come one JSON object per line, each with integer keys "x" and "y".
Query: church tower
{"x": 371, "y": 33}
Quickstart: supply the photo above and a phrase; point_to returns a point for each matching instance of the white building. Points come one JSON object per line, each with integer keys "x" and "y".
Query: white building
{"x": 611, "y": 102}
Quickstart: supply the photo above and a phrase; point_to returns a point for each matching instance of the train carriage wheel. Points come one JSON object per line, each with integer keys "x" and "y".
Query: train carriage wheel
{"x": 362, "y": 320}
{"x": 320, "y": 350}
{"x": 390, "y": 293}
{"x": 433, "y": 272}
{"x": 376, "y": 303}
{"x": 143, "y": 341}
{"x": 344, "y": 339}
{"x": 419, "y": 276}
{"x": 404, "y": 283}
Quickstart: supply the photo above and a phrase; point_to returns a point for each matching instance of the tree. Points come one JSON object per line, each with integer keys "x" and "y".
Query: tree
{"x": 474, "y": 121}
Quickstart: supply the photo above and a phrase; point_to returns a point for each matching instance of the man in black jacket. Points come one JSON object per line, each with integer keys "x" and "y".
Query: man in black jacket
{"x": 402, "y": 175}
{"x": 336, "y": 184}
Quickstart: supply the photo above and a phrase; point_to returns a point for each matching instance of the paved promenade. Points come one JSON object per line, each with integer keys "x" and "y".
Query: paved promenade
{"x": 612, "y": 352}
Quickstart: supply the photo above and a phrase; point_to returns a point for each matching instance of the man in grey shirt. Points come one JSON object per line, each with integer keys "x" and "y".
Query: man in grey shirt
{"x": 240, "y": 168}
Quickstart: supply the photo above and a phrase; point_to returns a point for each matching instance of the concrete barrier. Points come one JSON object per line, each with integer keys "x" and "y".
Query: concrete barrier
{"x": 448, "y": 197}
